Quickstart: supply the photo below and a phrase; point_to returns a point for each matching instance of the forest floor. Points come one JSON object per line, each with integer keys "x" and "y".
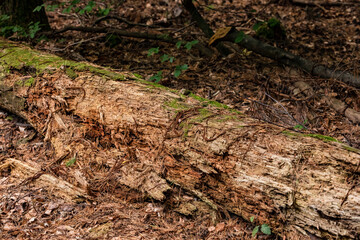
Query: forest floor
{"x": 257, "y": 86}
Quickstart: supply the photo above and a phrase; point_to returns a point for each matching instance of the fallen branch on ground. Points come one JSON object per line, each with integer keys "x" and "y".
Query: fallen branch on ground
{"x": 322, "y": 3}
{"x": 277, "y": 54}
{"x": 144, "y": 35}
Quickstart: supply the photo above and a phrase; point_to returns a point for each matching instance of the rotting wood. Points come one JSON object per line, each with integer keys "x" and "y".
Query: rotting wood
{"x": 147, "y": 137}
{"x": 21, "y": 170}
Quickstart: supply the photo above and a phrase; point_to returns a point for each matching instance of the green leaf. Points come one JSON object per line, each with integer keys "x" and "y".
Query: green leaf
{"x": 87, "y": 8}
{"x": 103, "y": 11}
{"x": 17, "y": 29}
{"x": 70, "y": 162}
{"x": 266, "y": 229}
{"x": 33, "y": 29}
{"x": 179, "y": 69}
{"x": 178, "y": 44}
{"x": 38, "y": 8}
{"x": 151, "y": 51}
{"x": 8, "y": 29}
{"x": 106, "y": 11}
{"x": 211, "y": 6}
{"x": 51, "y": 8}
{"x": 257, "y": 25}
{"x": 67, "y": 10}
{"x": 74, "y": 2}
{"x": 240, "y": 36}
{"x": 177, "y": 72}
{"x": 255, "y": 231}
{"x": 301, "y": 126}
{"x": 273, "y": 22}
{"x": 164, "y": 58}
{"x": 298, "y": 126}
{"x": 4, "y": 17}
{"x": 183, "y": 67}
{"x": 252, "y": 219}
{"x": 157, "y": 77}
{"x": 164, "y": 36}
{"x": 189, "y": 45}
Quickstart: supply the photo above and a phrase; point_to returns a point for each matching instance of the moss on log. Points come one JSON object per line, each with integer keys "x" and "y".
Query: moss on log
{"x": 150, "y": 138}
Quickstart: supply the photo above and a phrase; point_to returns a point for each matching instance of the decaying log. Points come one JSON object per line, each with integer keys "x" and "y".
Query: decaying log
{"x": 150, "y": 138}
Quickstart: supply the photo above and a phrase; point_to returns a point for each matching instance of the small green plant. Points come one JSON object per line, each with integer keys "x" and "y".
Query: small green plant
{"x": 72, "y": 6}
{"x": 152, "y": 51}
{"x": 7, "y": 31}
{"x": 264, "y": 228}
{"x": 178, "y": 44}
{"x": 88, "y": 8}
{"x": 71, "y": 162}
{"x": 301, "y": 126}
{"x": 166, "y": 57}
{"x": 157, "y": 77}
{"x": 51, "y": 8}
{"x": 9, "y": 118}
{"x": 179, "y": 69}
{"x": 38, "y": 8}
{"x": 271, "y": 29}
{"x": 189, "y": 45}
{"x": 69, "y": 8}
{"x": 33, "y": 29}
{"x": 101, "y": 12}
{"x": 210, "y": 7}
{"x": 240, "y": 36}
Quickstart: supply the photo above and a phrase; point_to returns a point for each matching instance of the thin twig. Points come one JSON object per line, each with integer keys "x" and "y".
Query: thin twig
{"x": 179, "y": 30}
{"x": 75, "y": 43}
{"x": 120, "y": 19}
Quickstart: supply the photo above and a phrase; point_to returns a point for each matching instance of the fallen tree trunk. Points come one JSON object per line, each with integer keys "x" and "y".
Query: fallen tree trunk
{"x": 323, "y": 3}
{"x": 293, "y": 60}
{"x": 148, "y": 138}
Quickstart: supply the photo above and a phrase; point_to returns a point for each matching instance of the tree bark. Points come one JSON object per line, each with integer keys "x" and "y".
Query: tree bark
{"x": 21, "y": 13}
{"x": 151, "y": 139}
